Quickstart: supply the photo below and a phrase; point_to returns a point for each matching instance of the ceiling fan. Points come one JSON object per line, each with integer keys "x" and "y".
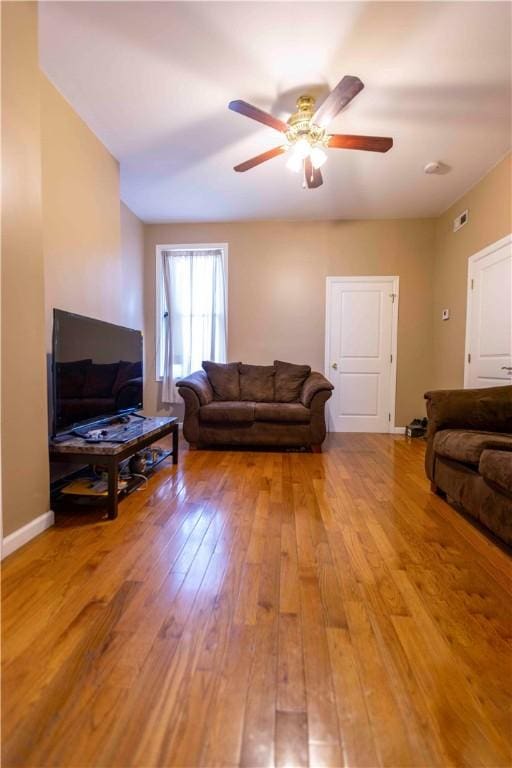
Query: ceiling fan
{"x": 306, "y": 134}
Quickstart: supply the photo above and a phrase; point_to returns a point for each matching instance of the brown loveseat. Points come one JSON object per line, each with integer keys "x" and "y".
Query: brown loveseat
{"x": 255, "y": 405}
{"x": 469, "y": 453}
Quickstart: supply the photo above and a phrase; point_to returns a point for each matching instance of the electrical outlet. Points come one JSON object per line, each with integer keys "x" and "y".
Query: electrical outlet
{"x": 445, "y": 315}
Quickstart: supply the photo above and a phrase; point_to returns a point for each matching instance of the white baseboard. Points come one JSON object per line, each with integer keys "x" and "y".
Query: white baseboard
{"x": 18, "y": 538}
{"x": 398, "y": 430}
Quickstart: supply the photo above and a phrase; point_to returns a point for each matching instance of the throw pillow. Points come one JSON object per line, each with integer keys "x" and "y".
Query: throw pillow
{"x": 257, "y": 383}
{"x": 224, "y": 378}
{"x": 289, "y": 380}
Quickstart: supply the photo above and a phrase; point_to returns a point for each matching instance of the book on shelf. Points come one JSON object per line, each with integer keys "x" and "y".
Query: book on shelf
{"x": 87, "y": 487}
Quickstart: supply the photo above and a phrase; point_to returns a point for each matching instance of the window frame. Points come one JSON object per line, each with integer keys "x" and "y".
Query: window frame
{"x": 160, "y": 293}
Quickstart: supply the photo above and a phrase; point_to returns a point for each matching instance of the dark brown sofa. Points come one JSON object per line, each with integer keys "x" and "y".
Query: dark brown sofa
{"x": 255, "y": 405}
{"x": 469, "y": 453}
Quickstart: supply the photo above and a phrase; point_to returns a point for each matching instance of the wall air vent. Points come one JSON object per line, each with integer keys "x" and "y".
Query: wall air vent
{"x": 460, "y": 220}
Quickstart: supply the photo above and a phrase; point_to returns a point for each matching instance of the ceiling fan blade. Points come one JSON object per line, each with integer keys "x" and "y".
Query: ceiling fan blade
{"x": 268, "y": 155}
{"x": 243, "y": 108}
{"x": 338, "y": 98}
{"x": 312, "y": 175}
{"x": 370, "y": 143}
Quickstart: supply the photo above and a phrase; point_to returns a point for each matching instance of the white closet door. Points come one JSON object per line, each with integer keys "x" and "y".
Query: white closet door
{"x": 489, "y": 343}
{"x": 360, "y": 353}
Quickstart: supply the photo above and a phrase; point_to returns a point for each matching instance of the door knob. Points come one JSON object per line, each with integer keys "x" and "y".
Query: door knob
{"x": 335, "y": 366}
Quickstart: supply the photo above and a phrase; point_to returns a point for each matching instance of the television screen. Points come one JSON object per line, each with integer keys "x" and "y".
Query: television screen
{"x": 97, "y": 370}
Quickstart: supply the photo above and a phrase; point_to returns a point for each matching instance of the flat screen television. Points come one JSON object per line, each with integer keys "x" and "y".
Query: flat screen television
{"x": 96, "y": 370}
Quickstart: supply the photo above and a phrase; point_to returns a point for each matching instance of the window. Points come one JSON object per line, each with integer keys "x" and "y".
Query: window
{"x": 191, "y": 308}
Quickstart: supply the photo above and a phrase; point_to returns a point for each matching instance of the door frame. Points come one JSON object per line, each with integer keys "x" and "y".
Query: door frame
{"x": 330, "y": 281}
{"x": 472, "y": 260}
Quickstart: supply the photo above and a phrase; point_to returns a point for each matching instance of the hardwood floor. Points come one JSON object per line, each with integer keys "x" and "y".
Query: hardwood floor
{"x": 262, "y": 609}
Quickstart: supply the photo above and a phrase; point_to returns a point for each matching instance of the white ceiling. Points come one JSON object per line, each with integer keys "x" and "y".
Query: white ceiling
{"x": 153, "y": 81}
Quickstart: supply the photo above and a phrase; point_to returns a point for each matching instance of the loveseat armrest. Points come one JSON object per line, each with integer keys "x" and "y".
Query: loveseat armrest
{"x": 485, "y": 410}
{"x": 198, "y": 382}
{"x": 314, "y": 383}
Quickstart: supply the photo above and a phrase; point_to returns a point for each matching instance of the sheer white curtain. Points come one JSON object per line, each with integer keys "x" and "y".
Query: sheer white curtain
{"x": 195, "y": 297}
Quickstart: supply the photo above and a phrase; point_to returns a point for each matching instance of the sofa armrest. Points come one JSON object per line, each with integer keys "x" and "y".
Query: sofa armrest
{"x": 314, "y": 383}
{"x": 198, "y": 382}
{"x": 317, "y": 424}
{"x": 191, "y": 417}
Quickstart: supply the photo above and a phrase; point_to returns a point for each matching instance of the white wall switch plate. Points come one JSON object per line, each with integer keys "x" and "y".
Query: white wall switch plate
{"x": 445, "y": 315}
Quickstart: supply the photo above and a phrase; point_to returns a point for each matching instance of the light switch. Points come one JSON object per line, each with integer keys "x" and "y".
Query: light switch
{"x": 446, "y": 314}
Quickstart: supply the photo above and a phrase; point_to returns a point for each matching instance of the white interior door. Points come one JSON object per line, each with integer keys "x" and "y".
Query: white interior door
{"x": 489, "y": 321}
{"x": 361, "y": 315}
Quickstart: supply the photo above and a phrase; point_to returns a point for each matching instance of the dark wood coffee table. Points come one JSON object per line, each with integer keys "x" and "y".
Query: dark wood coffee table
{"x": 77, "y": 450}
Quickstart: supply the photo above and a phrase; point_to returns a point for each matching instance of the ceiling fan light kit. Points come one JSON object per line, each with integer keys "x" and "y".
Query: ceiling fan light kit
{"x": 318, "y": 157}
{"x": 305, "y": 131}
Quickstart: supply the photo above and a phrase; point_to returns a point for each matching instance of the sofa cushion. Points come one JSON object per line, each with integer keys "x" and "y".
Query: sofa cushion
{"x": 466, "y": 446}
{"x": 257, "y": 383}
{"x": 288, "y": 381}
{"x": 293, "y": 413}
{"x": 224, "y": 378}
{"x": 227, "y": 413}
{"x": 99, "y": 380}
{"x": 496, "y": 467}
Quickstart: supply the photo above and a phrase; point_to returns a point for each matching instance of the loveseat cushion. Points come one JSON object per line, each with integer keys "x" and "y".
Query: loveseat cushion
{"x": 227, "y": 413}
{"x": 496, "y": 467}
{"x": 291, "y": 413}
{"x": 288, "y": 381}
{"x": 466, "y": 445}
{"x": 224, "y": 378}
{"x": 257, "y": 383}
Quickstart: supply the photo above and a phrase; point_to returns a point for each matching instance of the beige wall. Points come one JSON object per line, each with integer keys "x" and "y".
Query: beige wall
{"x": 24, "y": 420}
{"x": 93, "y": 244}
{"x": 490, "y": 218}
{"x": 132, "y": 270}
{"x": 68, "y": 242}
{"x": 277, "y": 274}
